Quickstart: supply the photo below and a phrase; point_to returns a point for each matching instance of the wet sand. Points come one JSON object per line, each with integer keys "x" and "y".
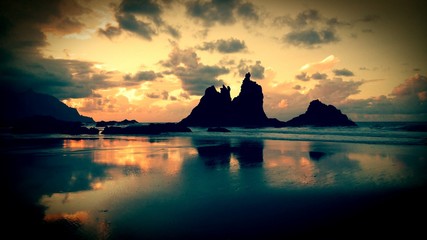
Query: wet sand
{"x": 175, "y": 187}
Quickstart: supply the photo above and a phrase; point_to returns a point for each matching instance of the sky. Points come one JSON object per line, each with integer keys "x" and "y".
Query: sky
{"x": 152, "y": 60}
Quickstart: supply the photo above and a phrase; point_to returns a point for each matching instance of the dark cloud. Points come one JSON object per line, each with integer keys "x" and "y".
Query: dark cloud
{"x": 23, "y": 67}
{"x": 142, "y": 17}
{"x": 224, "y": 12}
{"x": 144, "y": 7}
{"x": 248, "y": 11}
{"x": 57, "y": 77}
{"x": 310, "y": 29}
{"x": 256, "y": 70}
{"x": 23, "y": 23}
{"x": 141, "y": 76}
{"x": 311, "y": 37}
{"x": 195, "y": 76}
{"x": 130, "y": 23}
{"x": 174, "y": 32}
{"x": 303, "y": 19}
{"x": 302, "y": 76}
{"x": 231, "y": 45}
{"x": 110, "y": 31}
{"x": 343, "y": 72}
{"x": 319, "y": 76}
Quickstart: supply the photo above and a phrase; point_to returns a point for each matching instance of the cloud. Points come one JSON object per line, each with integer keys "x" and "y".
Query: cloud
{"x": 184, "y": 95}
{"x": 302, "y": 76}
{"x": 213, "y": 12}
{"x": 195, "y": 77}
{"x": 319, "y": 76}
{"x": 297, "y": 87}
{"x": 164, "y": 95}
{"x": 130, "y": 23}
{"x": 23, "y": 67}
{"x": 152, "y": 95}
{"x": 256, "y": 70}
{"x": 174, "y": 32}
{"x": 407, "y": 100}
{"x": 58, "y": 77}
{"x": 142, "y": 17}
{"x": 310, "y": 29}
{"x": 311, "y": 37}
{"x": 343, "y": 72}
{"x": 334, "y": 91}
{"x": 326, "y": 64}
{"x": 248, "y": 11}
{"x": 141, "y": 76}
{"x": 230, "y": 45}
{"x": 412, "y": 87}
{"x": 110, "y": 31}
{"x": 24, "y": 23}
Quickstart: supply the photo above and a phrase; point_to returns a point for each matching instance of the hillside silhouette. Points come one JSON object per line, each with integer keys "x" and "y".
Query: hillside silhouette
{"x": 20, "y": 105}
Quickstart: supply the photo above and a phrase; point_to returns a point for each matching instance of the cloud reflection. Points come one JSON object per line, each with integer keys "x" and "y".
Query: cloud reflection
{"x": 91, "y": 186}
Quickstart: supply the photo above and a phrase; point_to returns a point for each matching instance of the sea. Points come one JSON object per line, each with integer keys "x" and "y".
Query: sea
{"x": 249, "y": 183}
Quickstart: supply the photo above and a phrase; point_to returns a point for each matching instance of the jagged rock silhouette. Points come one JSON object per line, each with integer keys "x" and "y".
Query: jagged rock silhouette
{"x": 217, "y": 109}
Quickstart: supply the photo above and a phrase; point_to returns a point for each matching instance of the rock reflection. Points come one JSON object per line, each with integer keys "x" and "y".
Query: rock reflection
{"x": 219, "y": 153}
{"x": 316, "y": 156}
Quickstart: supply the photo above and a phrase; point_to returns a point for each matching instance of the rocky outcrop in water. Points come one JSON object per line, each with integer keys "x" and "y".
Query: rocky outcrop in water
{"x": 217, "y": 109}
{"x": 319, "y": 114}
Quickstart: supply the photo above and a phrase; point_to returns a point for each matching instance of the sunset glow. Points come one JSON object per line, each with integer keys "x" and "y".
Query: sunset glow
{"x": 152, "y": 60}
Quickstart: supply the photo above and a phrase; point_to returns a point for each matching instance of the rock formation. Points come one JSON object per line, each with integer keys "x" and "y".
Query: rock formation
{"x": 320, "y": 115}
{"x": 217, "y": 109}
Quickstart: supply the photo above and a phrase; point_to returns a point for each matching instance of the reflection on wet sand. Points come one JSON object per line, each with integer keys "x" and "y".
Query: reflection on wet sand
{"x": 248, "y": 153}
{"x": 92, "y": 186}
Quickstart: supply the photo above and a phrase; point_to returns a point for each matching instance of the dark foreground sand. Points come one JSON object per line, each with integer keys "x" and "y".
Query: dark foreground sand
{"x": 211, "y": 188}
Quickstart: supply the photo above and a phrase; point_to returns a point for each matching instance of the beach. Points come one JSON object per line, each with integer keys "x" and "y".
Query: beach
{"x": 212, "y": 186}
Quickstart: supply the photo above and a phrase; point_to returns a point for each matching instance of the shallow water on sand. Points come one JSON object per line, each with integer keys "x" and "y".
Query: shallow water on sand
{"x": 210, "y": 187}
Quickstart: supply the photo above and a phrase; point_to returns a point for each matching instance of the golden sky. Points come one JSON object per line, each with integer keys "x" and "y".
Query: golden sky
{"x": 152, "y": 60}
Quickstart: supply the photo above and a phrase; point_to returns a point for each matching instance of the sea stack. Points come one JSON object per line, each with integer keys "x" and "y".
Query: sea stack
{"x": 216, "y": 109}
{"x": 319, "y": 114}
